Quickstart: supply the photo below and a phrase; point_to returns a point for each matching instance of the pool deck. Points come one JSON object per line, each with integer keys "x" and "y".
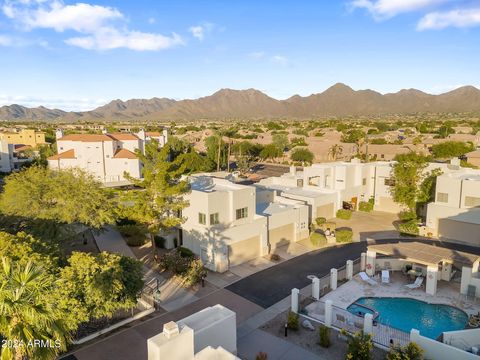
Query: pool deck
{"x": 448, "y": 293}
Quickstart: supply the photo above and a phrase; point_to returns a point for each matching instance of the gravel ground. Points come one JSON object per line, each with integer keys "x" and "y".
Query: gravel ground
{"x": 309, "y": 340}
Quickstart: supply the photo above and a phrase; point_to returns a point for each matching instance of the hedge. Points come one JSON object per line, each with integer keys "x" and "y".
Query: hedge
{"x": 344, "y": 214}
{"x": 344, "y": 235}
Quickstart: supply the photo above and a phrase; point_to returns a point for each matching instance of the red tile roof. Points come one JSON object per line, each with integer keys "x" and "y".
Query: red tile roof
{"x": 69, "y": 154}
{"x": 124, "y": 154}
{"x": 86, "y": 137}
{"x": 123, "y": 136}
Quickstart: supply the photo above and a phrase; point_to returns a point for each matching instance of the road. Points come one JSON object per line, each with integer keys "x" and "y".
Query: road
{"x": 271, "y": 285}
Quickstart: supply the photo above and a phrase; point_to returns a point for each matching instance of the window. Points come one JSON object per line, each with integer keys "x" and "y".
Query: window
{"x": 472, "y": 201}
{"x": 214, "y": 219}
{"x": 202, "y": 218}
{"x": 299, "y": 182}
{"x": 364, "y": 181}
{"x": 242, "y": 213}
{"x": 389, "y": 182}
{"x": 382, "y": 156}
{"x": 442, "y": 197}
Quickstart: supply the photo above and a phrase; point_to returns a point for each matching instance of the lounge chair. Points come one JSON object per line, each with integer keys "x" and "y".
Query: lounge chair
{"x": 367, "y": 279}
{"x": 385, "y": 276}
{"x": 418, "y": 282}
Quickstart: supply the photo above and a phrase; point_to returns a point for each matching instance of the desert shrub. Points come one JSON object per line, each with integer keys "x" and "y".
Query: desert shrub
{"x": 302, "y": 154}
{"x": 324, "y": 334}
{"x": 189, "y": 269}
{"x": 298, "y": 141}
{"x": 134, "y": 235}
{"x": 186, "y": 253}
{"x": 407, "y": 215}
{"x": 344, "y": 235}
{"x": 359, "y": 346}
{"x": 317, "y": 239}
{"x": 410, "y": 352}
{"x": 300, "y": 132}
{"x": 320, "y": 221}
{"x": 293, "y": 321}
{"x": 318, "y": 134}
{"x": 366, "y": 206}
{"x": 409, "y": 227}
{"x": 261, "y": 356}
{"x": 344, "y": 214}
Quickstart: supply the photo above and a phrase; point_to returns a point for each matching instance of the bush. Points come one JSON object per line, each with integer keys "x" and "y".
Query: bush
{"x": 409, "y": 227}
{"x": 410, "y": 352}
{"x": 292, "y": 321}
{"x": 189, "y": 269}
{"x": 366, "y": 206}
{"x": 134, "y": 235}
{"x": 344, "y": 214}
{"x": 195, "y": 273}
{"x": 302, "y": 154}
{"x": 359, "y": 346}
{"x": 324, "y": 333}
{"x": 174, "y": 262}
{"x": 275, "y": 257}
{"x": 320, "y": 221}
{"x": 317, "y": 239}
{"x": 344, "y": 235}
{"x": 186, "y": 253}
{"x": 159, "y": 241}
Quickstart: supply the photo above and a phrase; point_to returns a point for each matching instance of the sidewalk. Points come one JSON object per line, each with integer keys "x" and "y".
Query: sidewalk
{"x": 110, "y": 240}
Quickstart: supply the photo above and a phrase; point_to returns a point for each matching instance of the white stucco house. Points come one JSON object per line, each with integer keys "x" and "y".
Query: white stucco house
{"x": 6, "y": 156}
{"x": 228, "y": 224}
{"x": 106, "y": 156}
{"x": 455, "y": 213}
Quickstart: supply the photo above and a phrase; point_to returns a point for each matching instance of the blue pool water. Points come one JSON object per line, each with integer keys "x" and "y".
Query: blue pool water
{"x": 404, "y": 314}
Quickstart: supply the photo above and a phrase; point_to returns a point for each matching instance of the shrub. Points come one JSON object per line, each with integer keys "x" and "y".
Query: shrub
{"x": 275, "y": 257}
{"x": 317, "y": 239}
{"x": 261, "y": 356}
{"x": 160, "y": 241}
{"x": 324, "y": 334}
{"x": 344, "y": 214}
{"x": 189, "y": 269}
{"x": 366, "y": 206}
{"x": 319, "y": 134}
{"x": 174, "y": 262}
{"x": 194, "y": 273}
{"x": 410, "y": 352}
{"x": 344, "y": 235}
{"x": 302, "y": 154}
{"x": 186, "y": 253}
{"x": 320, "y": 221}
{"x": 409, "y": 227}
{"x": 292, "y": 321}
{"x": 359, "y": 346}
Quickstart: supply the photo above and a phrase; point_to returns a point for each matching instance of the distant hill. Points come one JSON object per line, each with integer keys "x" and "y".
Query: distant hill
{"x": 338, "y": 100}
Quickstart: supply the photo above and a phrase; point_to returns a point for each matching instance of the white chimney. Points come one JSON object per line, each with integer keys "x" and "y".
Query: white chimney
{"x": 58, "y": 134}
{"x": 170, "y": 329}
{"x": 165, "y": 136}
{"x": 142, "y": 135}
{"x": 455, "y": 162}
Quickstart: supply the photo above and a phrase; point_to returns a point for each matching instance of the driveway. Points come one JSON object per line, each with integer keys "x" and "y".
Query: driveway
{"x": 271, "y": 285}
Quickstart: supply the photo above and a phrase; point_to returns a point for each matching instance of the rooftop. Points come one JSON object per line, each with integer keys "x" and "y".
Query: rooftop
{"x": 69, "y": 154}
{"x": 123, "y": 136}
{"x": 86, "y": 137}
{"x": 272, "y": 208}
{"x": 211, "y": 184}
{"x": 124, "y": 154}
{"x": 425, "y": 254}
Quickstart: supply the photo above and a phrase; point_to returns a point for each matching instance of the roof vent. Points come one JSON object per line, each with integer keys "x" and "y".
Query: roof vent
{"x": 170, "y": 329}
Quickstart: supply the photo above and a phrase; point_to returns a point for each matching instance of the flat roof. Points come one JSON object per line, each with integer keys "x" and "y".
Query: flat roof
{"x": 425, "y": 254}
{"x": 273, "y": 208}
{"x": 211, "y": 184}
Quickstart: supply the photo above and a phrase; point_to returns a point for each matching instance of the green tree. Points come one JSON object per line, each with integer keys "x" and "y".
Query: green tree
{"x": 408, "y": 175}
{"x": 217, "y": 150}
{"x": 192, "y": 162}
{"x": 66, "y": 196}
{"x": 97, "y": 286}
{"x": 445, "y": 130}
{"x": 450, "y": 149}
{"x": 353, "y": 136}
{"x": 270, "y": 151}
{"x": 159, "y": 203}
{"x": 409, "y": 352}
{"x": 280, "y": 141}
{"x": 27, "y": 315}
{"x": 302, "y": 154}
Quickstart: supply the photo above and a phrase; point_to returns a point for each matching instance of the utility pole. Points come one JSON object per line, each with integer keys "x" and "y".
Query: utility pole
{"x": 228, "y": 156}
{"x": 219, "y": 149}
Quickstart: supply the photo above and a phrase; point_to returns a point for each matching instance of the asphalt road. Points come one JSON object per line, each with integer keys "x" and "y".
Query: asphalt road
{"x": 271, "y": 285}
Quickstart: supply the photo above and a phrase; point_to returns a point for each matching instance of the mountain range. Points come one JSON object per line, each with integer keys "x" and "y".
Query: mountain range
{"x": 338, "y": 100}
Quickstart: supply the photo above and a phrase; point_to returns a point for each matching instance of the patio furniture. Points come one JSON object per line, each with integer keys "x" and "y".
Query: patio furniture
{"x": 418, "y": 283}
{"x": 414, "y": 273}
{"x": 367, "y": 279}
{"x": 385, "y": 276}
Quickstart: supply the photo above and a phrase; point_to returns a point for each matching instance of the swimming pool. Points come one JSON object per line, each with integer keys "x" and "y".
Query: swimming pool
{"x": 404, "y": 314}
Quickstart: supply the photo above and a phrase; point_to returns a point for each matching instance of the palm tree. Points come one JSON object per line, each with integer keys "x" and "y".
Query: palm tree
{"x": 26, "y": 315}
{"x": 335, "y": 150}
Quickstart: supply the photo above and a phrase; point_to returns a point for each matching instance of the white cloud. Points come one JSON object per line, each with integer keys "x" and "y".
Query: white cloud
{"x": 278, "y": 59}
{"x": 68, "y": 104}
{"x": 5, "y": 40}
{"x": 456, "y": 18}
{"x": 111, "y": 38}
{"x": 199, "y": 31}
{"x": 384, "y": 9}
{"x": 152, "y": 20}
{"x": 101, "y": 27}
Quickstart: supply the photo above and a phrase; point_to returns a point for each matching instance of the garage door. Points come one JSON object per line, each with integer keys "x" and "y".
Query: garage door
{"x": 325, "y": 211}
{"x": 245, "y": 250}
{"x": 461, "y": 231}
{"x": 280, "y": 236}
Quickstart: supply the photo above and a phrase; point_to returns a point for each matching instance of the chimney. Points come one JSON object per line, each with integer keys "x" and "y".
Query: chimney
{"x": 58, "y": 134}
{"x": 165, "y": 136}
{"x": 142, "y": 135}
{"x": 455, "y": 162}
{"x": 293, "y": 170}
{"x": 104, "y": 131}
{"x": 170, "y": 329}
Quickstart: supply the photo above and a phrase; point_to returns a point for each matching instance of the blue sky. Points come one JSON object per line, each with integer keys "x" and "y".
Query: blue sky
{"x": 77, "y": 56}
